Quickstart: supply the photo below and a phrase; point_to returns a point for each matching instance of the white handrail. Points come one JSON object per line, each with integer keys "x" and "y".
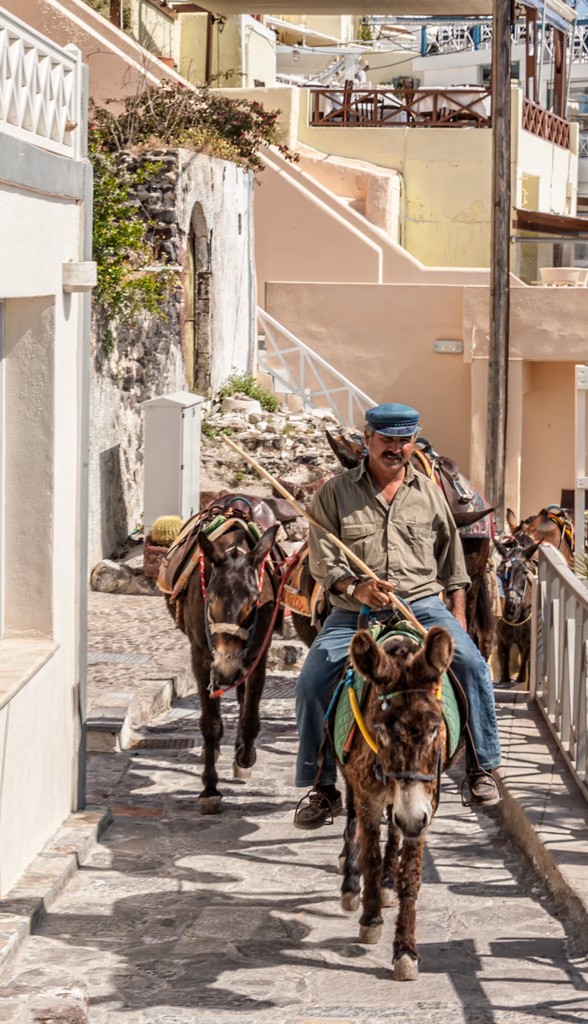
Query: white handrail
{"x": 303, "y": 372}
{"x": 40, "y": 89}
{"x": 559, "y": 659}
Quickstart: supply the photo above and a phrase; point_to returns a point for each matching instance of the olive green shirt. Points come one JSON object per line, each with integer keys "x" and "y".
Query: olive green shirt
{"x": 413, "y": 542}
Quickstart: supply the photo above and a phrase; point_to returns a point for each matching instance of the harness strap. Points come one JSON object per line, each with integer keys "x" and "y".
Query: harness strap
{"x": 289, "y": 565}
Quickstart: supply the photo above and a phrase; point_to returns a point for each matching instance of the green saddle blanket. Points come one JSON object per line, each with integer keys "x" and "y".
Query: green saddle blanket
{"x": 340, "y": 716}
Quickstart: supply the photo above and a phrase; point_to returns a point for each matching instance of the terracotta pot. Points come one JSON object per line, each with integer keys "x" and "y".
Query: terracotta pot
{"x": 169, "y": 62}
{"x": 153, "y": 555}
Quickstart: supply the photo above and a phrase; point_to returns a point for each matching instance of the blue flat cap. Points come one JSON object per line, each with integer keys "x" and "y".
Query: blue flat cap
{"x": 393, "y": 419}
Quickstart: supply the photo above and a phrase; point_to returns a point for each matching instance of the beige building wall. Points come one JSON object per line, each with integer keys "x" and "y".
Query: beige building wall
{"x": 548, "y": 336}
{"x": 382, "y": 338}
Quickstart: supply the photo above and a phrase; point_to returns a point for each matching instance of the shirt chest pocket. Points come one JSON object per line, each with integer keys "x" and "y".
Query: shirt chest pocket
{"x": 358, "y": 537}
{"x": 420, "y": 539}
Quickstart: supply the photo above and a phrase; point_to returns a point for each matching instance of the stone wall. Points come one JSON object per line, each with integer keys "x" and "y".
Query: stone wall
{"x": 201, "y": 212}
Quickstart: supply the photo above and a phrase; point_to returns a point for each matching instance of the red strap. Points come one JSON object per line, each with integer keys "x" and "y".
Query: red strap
{"x": 289, "y": 564}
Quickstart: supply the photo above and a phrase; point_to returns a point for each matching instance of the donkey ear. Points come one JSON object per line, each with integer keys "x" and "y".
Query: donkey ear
{"x": 438, "y": 650}
{"x": 208, "y": 550}
{"x": 503, "y": 549}
{"x": 348, "y": 452}
{"x": 264, "y": 545}
{"x": 530, "y": 551}
{"x": 510, "y": 518}
{"x": 368, "y": 659}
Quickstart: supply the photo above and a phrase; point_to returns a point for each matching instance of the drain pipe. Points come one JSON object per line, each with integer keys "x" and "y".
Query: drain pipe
{"x": 84, "y": 428}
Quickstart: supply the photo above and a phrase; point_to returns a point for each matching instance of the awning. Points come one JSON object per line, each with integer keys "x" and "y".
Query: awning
{"x": 550, "y": 223}
{"x": 557, "y": 13}
{"x": 439, "y": 8}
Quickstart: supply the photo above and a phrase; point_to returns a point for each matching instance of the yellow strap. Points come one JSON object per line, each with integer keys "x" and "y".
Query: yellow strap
{"x": 360, "y": 721}
{"x": 424, "y": 461}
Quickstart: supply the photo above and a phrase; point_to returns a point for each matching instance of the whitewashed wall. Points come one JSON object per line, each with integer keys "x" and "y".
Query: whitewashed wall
{"x": 149, "y": 359}
{"x": 44, "y": 184}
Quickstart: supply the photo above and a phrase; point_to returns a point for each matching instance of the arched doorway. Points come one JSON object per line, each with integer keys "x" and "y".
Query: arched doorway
{"x": 197, "y": 305}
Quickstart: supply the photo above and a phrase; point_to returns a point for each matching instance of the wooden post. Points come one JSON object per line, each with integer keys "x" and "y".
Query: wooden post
{"x": 500, "y": 259}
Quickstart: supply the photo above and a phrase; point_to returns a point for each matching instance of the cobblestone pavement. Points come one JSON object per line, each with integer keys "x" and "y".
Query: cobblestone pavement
{"x": 177, "y": 917}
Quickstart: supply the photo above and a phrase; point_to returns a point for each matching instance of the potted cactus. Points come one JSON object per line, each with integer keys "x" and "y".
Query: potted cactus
{"x": 163, "y": 533}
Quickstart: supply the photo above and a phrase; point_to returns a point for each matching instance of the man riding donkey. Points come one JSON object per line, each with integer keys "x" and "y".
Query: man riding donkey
{"x": 398, "y": 523}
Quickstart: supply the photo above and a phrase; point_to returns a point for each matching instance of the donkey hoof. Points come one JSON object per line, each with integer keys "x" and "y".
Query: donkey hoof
{"x": 370, "y": 933}
{"x": 350, "y": 901}
{"x": 210, "y": 804}
{"x": 341, "y": 864}
{"x": 242, "y": 773}
{"x": 388, "y": 897}
{"x": 406, "y": 968}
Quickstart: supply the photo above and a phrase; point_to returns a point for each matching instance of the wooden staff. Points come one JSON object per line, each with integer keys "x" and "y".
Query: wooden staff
{"x": 365, "y": 569}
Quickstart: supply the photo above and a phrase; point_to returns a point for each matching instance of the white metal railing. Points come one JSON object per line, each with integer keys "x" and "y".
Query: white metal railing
{"x": 40, "y": 88}
{"x": 559, "y": 659}
{"x": 298, "y": 369}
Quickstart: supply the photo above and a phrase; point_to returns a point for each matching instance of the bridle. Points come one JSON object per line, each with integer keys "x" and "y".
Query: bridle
{"x": 402, "y": 776}
{"x": 211, "y": 628}
{"x": 530, "y": 573}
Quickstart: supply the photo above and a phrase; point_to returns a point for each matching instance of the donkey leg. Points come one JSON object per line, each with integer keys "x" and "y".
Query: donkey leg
{"x": 524, "y": 662}
{"x": 212, "y": 730}
{"x": 390, "y": 864}
{"x": 504, "y": 662}
{"x": 249, "y": 696}
{"x": 370, "y": 862}
{"x": 405, "y": 958}
{"x": 348, "y": 858}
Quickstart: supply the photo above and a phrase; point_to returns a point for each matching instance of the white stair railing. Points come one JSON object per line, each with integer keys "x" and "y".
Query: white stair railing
{"x": 40, "y": 88}
{"x": 559, "y": 659}
{"x": 299, "y": 370}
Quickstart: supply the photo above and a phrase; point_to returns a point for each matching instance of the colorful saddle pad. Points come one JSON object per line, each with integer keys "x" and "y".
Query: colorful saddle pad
{"x": 341, "y": 722}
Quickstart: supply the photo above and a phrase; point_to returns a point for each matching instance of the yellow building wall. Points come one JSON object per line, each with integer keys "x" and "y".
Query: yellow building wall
{"x": 155, "y": 30}
{"x": 193, "y": 47}
{"x": 447, "y": 178}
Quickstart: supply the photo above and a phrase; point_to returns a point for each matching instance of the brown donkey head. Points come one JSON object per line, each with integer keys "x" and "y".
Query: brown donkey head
{"x": 407, "y": 721}
{"x": 233, "y": 591}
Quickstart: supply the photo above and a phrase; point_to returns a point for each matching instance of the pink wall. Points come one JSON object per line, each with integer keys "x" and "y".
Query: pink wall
{"x": 381, "y": 338}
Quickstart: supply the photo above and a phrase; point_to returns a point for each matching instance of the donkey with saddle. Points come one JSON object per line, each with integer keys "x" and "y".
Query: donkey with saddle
{"x": 395, "y": 721}
{"x": 223, "y": 581}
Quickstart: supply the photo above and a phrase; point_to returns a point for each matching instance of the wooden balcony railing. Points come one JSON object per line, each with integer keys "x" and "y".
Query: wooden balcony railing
{"x": 452, "y": 107}
{"x": 545, "y": 124}
{"x": 457, "y": 107}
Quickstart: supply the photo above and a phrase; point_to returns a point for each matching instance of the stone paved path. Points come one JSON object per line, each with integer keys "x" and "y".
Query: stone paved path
{"x": 235, "y": 919}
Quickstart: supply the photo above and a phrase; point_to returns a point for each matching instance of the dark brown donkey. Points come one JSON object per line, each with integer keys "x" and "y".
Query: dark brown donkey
{"x": 473, "y": 518}
{"x": 402, "y": 714}
{"x": 226, "y": 607}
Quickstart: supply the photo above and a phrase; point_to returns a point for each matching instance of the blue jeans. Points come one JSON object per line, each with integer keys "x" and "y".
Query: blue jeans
{"x": 324, "y": 665}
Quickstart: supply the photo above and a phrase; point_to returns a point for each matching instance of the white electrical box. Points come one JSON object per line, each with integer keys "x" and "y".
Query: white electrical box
{"x": 172, "y": 456}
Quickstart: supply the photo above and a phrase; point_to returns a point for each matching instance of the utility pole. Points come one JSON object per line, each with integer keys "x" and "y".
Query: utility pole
{"x": 500, "y": 259}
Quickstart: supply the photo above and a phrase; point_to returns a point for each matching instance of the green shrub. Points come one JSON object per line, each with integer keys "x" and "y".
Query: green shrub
{"x": 246, "y": 384}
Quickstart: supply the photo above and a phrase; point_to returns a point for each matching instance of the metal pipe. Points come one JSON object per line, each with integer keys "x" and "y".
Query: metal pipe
{"x": 84, "y": 432}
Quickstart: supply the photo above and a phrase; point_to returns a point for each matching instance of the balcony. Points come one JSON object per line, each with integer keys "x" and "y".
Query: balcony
{"x": 451, "y": 107}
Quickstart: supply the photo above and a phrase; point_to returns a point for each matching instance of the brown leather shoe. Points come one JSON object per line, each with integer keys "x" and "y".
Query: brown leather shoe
{"x": 320, "y": 810}
{"x": 483, "y": 789}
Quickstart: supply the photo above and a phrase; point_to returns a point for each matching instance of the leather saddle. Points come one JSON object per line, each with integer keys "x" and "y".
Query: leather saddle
{"x": 456, "y": 486}
{"x": 232, "y": 511}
